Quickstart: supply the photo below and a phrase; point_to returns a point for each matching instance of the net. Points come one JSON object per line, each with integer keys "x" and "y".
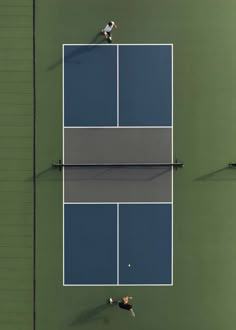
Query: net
{"x": 177, "y": 164}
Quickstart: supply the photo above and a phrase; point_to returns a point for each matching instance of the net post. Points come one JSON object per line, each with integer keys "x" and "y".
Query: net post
{"x": 232, "y": 165}
{"x": 178, "y": 164}
{"x": 58, "y": 165}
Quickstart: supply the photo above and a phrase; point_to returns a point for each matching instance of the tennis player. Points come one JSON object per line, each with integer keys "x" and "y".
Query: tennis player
{"x": 107, "y": 31}
{"x": 124, "y": 304}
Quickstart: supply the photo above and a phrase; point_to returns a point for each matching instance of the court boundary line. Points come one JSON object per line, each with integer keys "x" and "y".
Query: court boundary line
{"x": 172, "y": 169}
{"x": 118, "y": 127}
{"x": 115, "y": 45}
{"x": 115, "y": 285}
{"x": 117, "y": 204}
{"x": 117, "y": 87}
{"x": 34, "y": 170}
{"x": 117, "y": 112}
{"x": 128, "y": 127}
{"x": 63, "y": 170}
{"x": 118, "y": 243}
{"x": 114, "y": 203}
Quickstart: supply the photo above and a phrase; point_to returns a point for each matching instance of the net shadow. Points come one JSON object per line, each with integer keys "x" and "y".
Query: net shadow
{"x": 114, "y": 174}
{"x": 48, "y": 174}
{"x": 223, "y": 174}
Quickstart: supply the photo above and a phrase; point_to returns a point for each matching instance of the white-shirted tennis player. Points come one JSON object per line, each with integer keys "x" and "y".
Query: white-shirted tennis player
{"x": 107, "y": 30}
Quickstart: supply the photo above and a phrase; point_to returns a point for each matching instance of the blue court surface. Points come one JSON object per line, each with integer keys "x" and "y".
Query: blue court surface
{"x": 118, "y": 244}
{"x": 117, "y": 85}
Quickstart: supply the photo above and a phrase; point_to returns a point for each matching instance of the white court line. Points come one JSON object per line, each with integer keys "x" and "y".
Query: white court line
{"x": 118, "y": 265}
{"x": 171, "y": 203}
{"x": 118, "y": 243}
{"x": 115, "y": 45}
{"x": 164, "y": 284}
{"x": 63, "y": 153}
{"x": 118, "y": 90}
{"x": 172, "y": 160}
{"x": 117, "y": 127}
{"x": 114, "y": 203}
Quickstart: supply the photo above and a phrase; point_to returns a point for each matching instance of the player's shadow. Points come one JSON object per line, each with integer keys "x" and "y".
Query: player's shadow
{"x": 92, "y": 315}
{"x": 75, "y": 54}
{"x": 98, "y": 39}
{"x": 226, "y": 173}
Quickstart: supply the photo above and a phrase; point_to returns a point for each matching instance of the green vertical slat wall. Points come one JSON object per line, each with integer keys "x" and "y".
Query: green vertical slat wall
{"x": 16, "y": 164}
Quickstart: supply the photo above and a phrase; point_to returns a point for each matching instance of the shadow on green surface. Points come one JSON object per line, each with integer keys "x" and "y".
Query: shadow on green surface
{"x": 92, "y": 315}
{"x": 80, "y": 174}
{"x": 49, "y": 174}
{"x": 72, "y": 56}
{"x": 223, "y": 174}
{"x": 98, "y": 39}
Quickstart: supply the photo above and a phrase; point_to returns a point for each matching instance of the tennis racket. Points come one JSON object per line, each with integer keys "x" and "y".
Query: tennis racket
{"x": 132, "y": 312}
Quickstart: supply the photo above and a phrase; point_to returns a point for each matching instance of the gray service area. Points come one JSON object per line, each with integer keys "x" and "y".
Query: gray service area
{"x": 119, "y": 184}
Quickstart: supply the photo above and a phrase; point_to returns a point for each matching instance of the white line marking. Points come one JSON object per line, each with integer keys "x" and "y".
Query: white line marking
{"x": 118, "y": 216}
{"x": 118, "y": 89}
{"x": 114, "y": 203}
{"x": 118, "y": 244}
{"x": 114, "y": 45}
{"x": 117, "y": 127}
{"x": 172, "y": 170}
{"x": 63, "y": 194}
{"x": 171, "y": 203}
{"x": 164, "y": 284}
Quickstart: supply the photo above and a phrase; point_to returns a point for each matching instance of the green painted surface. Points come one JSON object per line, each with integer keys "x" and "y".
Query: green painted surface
{"x": 204, "y": 201}
{"x": 16, "y": 163}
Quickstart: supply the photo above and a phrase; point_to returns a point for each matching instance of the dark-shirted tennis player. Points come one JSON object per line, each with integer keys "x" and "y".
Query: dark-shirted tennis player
{"x": 124, "y": 304}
